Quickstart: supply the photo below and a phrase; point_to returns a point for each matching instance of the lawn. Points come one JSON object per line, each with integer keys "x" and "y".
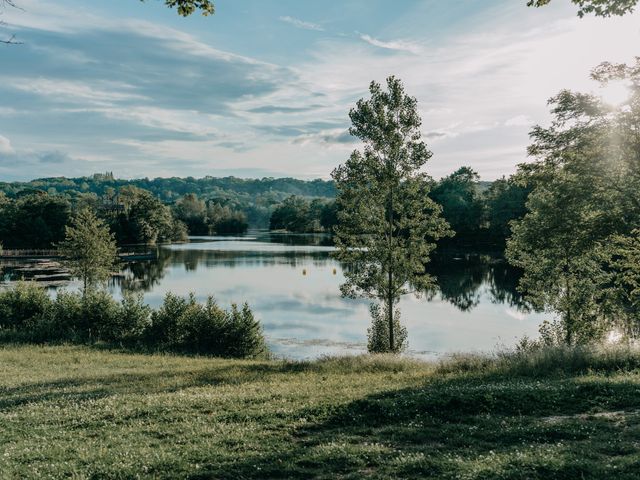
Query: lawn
{"x": 78, "y": 412}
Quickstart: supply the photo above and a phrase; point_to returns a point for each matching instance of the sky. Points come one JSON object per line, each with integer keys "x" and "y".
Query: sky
{"x": 264, "y": 87}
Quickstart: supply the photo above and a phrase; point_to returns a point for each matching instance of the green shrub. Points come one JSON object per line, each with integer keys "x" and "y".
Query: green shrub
{"x": 162, "y": 331}
{"x": 180, "y": 324}
{"x": 243, "y": 336}
{"x": 378, "y": 332}
{"x": 201, "y": 328}
{"x": 134, "y": 318}
{"x": 64, "y": 320}
{"x": 23, "y": 306}
{"x": 100, "y": 317}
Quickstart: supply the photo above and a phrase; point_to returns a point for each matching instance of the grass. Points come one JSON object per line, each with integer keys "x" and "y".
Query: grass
{"x": 77, "y": 412}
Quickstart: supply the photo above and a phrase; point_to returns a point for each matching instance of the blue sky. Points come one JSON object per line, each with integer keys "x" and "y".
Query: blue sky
{"x": 263, "y": 88}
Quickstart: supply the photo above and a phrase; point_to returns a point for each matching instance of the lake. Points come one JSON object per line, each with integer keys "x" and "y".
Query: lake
{"x": 292, "y": 285}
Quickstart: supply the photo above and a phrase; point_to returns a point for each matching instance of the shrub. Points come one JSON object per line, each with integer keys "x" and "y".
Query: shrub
{"x": 378, "y": 332}
{"x": 162, "y": 331}
{"x": 64, "y": 321}
{"x": 243, "y": 336}
{"x": 201, "y": 328}
{"x": 23, "y": 306}
{"x": 134, "y": 318}
{"x": 100, "y": 317}
{"x": 180, "y": 324}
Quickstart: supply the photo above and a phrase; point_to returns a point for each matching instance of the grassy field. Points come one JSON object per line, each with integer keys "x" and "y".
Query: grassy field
{"x": 74, "y": 412}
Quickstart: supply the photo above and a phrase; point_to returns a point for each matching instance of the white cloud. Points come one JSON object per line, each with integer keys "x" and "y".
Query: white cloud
{"x": 296, "y": 22}
{"x": 5, "y": 145}
{"x": 399, "y": 45}
{"x": 519, "y": 121}
{"x": 103, "y": 93}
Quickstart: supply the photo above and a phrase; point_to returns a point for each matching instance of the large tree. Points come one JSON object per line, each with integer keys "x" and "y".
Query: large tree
{"x": 585, "y": 197}
{"x": 387, "y": 224}
{"x": 89, "y": 249}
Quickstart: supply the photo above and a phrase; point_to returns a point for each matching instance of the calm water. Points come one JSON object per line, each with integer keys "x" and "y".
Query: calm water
{"x": 291, "y": 283}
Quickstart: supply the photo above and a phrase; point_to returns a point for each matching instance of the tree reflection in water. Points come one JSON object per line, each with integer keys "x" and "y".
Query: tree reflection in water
{"x": 461, "y": 280}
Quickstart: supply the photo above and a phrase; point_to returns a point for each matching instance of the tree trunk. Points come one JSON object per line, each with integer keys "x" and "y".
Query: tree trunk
{"x": 390, "y": 275}
{"x": 569, "y": 332}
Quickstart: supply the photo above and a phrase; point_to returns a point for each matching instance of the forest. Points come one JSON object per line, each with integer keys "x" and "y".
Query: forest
{"x": 33, "y": 214}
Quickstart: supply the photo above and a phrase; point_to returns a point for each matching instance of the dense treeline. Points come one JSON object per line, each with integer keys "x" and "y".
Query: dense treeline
{"x": 36, "y": 219}
{"x": 479, "y": 213}
{"x": 255, "y": 198}
{"x": 34, "y": 214}
{"x": 208, "y": 217}
{"x": 299, "y": 215}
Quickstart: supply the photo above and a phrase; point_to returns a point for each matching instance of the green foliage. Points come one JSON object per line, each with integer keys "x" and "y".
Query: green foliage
{"x": 378, "y": 333}
{"x": 387, "y": 224}
{"x": 23, "y": 306}
{"x": 300, "y": 215}
{"x": 223, "y": 220}
{"x": 33, "y": 220}
{"x": 89, "y": 249}
{"x": 145, "y": 219}
{"x": 623, "y": 258}
{"x": 182, "y": 325}
{"x": 188, "y": 7}
{"x": 461, "y": 202}
{"x": 584, "y": 203}
{"x": 504, "y": 202}
{"x": 192, "y": 211}
{"x": 256, "y": 198}
{"x": 600, "y": 8}
{"x": 133, "y": 319}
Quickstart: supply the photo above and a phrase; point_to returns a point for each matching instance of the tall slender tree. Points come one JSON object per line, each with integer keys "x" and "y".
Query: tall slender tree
{"x": 387, "y": 225}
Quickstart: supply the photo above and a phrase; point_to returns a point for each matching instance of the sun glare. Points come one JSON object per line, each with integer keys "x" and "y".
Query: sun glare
{"x": 614, "y": 93}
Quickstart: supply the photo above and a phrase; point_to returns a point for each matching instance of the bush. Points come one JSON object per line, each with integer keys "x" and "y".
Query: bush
{"x": 162, "y": 332}
{"x": 201, "y": 328}
{"x": 243, "y": 334}
{"x": 179, "y": 325}
{"x": 378, "y": 332}
{"x": 134, "y": 318}
{"x": 23, "y": 306}
{"x": 100, "y": 317}
{"x": 64, "y": 321}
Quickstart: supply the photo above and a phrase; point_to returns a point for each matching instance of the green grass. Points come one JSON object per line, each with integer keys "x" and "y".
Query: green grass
{"x": 76, "y": 412}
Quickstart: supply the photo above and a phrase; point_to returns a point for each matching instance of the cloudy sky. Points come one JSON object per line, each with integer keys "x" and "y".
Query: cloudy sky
{"x": 263, "y": 88}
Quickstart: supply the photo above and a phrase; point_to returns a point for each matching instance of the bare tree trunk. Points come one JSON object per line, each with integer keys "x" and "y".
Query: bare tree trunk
{"x": 390, "y": 275}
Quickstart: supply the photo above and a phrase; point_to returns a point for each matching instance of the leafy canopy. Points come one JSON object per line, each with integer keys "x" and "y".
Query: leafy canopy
{"x": 600, "y": 8}
{"x": 188, "y": 7}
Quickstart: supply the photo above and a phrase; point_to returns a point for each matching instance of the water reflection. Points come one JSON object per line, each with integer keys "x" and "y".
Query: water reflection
{"x": 291, "y": 283}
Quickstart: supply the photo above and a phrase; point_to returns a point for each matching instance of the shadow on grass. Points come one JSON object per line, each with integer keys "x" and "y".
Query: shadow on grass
{"x": 462, "y": 428}
{"x": 156, "y": 382}
{"x": 459, "y": 423}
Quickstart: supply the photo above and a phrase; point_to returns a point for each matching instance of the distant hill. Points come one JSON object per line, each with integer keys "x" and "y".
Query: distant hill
{"x": 255, "y": 197}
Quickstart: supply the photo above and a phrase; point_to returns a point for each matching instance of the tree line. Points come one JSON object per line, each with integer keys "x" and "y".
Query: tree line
{"x": 255, "y": 198}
